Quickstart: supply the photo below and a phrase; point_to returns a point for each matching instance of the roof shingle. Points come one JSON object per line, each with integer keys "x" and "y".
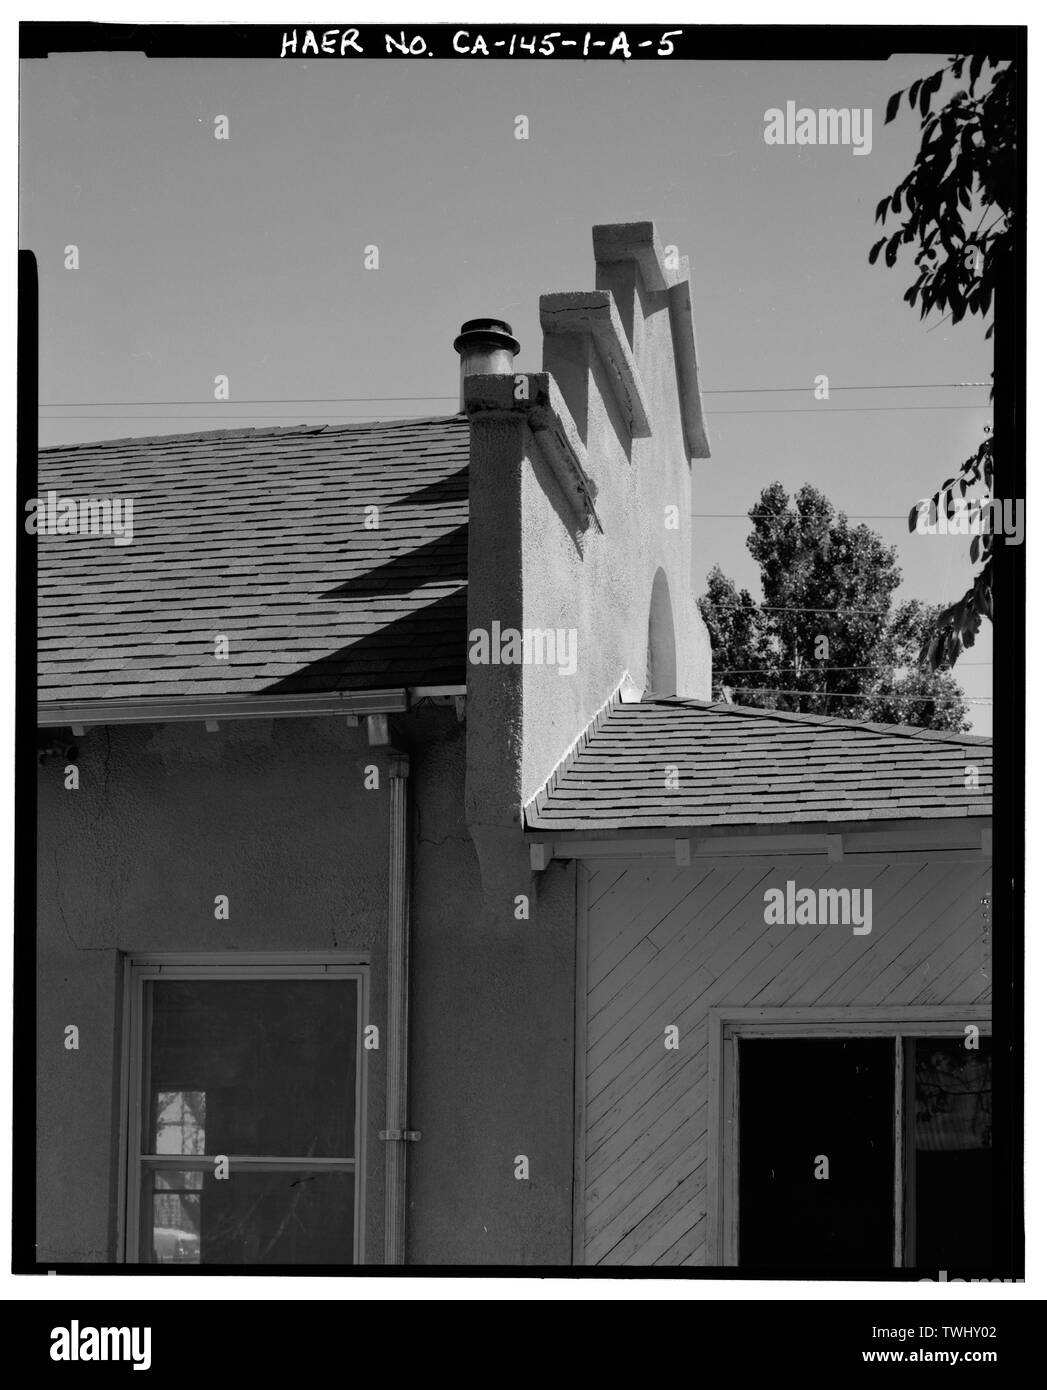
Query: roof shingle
{"x": 741, "y": 766}
{"x": 260, "y": 535}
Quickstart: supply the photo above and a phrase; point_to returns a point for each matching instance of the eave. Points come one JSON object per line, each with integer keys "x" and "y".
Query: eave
{"x": 886, "y": 841}
{"x": 180, "y": 709}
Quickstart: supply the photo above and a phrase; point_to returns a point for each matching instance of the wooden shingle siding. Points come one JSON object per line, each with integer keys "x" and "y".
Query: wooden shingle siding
{"x": 665, "y": 945}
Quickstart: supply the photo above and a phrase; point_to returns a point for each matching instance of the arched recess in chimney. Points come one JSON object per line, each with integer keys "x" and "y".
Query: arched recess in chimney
{"x": 661, "y": 640}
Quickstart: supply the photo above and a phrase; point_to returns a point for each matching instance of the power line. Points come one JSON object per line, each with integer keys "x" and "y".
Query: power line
{"x": 274, "y": 400}
{"x": 788, "y": 608}
{"x": 350, "y": 415}
{"x": 843, "y": 409}
{"x": 762, "y": 670}
{"x": 288, "y": 415}
{"x": 746, "y": 516}
{"x": 869, "y": 698}
{"x": 900, "y": 386}
{"x": 708, "y": 391}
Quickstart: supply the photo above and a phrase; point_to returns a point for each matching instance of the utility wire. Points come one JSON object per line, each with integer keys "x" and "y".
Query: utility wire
{"x": 843, "y": 409}
{"x": 842, "y": 695}
{"x": 788, "y": 608}
{"x": 273, "y": 400}
{"x": 814, "y": 667}
{"x": 851, "y": 516}
{"x": 289, "y": 415}
{"x": 352, "y": 415}
{"x": 900, "y": 386}
{"x": 708, "y": 391}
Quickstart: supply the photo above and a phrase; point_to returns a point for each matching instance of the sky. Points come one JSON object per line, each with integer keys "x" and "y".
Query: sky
{"x": 246, "y": 258}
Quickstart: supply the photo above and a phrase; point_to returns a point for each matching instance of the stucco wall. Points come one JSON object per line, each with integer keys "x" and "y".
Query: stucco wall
{"x": 536, "y": 565}
{"x": 275, "y": 815}
{"x": 492, "y": 1047}
{"x": 601, "y": 585}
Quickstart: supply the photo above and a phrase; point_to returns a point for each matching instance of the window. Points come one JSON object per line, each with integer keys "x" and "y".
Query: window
{"x": 816, "y": 1186}
{"x": 948, "y": 1157}
{"x": 852, "y": 1145}
{"x": 243, "y": 1122}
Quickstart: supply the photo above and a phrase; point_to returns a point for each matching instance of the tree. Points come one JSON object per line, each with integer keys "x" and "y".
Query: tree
{"x": 967, "y": 161}
{"x": 826, "y": 637}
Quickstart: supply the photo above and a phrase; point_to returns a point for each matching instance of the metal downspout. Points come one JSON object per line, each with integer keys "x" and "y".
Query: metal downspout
{"x": 397, "y": 1134}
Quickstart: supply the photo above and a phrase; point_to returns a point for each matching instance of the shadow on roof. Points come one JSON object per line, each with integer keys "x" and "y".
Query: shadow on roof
{"x": 426, "y": 647}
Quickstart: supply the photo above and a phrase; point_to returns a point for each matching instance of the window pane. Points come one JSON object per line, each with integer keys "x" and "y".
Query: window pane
{"x": 166, "y": 1180}
{"x": 181, "y": 1122}
{"x": 816, "y": 1187}
{"x": 265, "y": 1067}
{"x": 176, "y": 1218}
{"x": 251, "y": 1218}
{"x": 952, "y": 1139}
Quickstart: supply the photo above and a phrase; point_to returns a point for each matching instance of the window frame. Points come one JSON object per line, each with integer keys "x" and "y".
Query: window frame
{"x": 727, "y": 1026}
{"x": 139, "y": 969}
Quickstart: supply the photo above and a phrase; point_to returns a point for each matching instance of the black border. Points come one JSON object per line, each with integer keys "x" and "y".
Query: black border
{"x": 795, "y": 42}
{"x": 808, "y": 42}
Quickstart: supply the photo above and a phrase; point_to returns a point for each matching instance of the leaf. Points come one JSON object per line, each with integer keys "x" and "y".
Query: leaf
{"x": 926, "y": 91}
{"x": 892, "y": 108}
{"x": 876, "y": 250}
{"x": 974, "y": 548}
{"x": 913, "y": 90}
{"x": 881, "y": 208}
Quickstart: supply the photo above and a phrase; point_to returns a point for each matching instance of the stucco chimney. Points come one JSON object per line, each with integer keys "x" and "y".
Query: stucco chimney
{"x": 487, "y": 348}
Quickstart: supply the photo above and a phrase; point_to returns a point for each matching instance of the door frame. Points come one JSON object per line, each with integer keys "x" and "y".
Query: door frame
{"x": 728, "y": 1025}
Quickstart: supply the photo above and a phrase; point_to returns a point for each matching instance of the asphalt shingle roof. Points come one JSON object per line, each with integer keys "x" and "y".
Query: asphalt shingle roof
{"x": 259, "y": 535}
{"x": 743, "y": 766}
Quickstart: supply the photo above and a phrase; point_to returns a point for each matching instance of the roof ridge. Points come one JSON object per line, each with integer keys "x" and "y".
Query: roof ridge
{"x": 830, "y": 721}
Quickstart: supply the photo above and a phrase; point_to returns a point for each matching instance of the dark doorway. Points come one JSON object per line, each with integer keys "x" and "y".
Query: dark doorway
{"x": 816, "y": 1188}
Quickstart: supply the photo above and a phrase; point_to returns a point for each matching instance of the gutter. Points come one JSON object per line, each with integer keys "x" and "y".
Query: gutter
{"x": 150, "y": 709}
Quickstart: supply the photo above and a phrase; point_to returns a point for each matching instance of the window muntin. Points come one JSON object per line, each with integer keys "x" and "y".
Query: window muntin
{"x": 263, "y": 1070}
